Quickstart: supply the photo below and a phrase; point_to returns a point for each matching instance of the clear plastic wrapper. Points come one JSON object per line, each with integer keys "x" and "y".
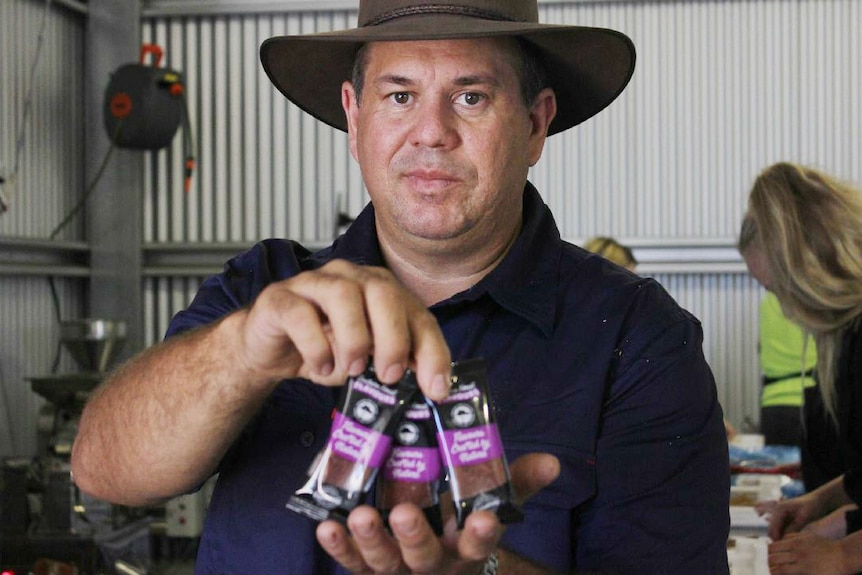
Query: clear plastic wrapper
{"x": 412, "y": 471}
{"x": 470, "y": 446}
{"x": 359, "y": 442}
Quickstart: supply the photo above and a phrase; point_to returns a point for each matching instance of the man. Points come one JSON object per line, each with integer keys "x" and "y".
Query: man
{"x": 447, "y": 105}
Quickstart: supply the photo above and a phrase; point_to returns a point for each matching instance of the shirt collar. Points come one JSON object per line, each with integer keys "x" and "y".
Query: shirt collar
{"x": 525, "y": 282}
{"x": 359, "y": 243}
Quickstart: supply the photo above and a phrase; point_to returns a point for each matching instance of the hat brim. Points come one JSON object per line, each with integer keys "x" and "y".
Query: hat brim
{"x": 587, "y": 67}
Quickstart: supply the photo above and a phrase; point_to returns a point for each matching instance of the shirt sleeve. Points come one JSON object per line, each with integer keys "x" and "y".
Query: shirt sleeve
{"x": 662, "y": 459}
{"x": 242, "y": 280}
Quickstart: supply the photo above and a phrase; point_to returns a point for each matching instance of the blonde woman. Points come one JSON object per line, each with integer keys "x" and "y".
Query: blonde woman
{"x": 807, "y": 250}
{"x": 787, "y": 359}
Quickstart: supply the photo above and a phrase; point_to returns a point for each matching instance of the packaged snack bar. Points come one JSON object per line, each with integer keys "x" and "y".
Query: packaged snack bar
{"x": 359, "y": 442}
{"x": 412, "y": 471}
{"x": 470, "y": 446}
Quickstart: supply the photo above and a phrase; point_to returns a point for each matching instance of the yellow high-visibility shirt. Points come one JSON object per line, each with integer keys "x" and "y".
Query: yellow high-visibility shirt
{"x": 781, "y": 344}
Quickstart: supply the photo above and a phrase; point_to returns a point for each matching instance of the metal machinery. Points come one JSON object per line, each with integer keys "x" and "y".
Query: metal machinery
{"x": 46, "y": 523}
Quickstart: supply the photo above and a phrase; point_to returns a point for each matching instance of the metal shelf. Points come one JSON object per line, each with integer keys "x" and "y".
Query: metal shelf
{"x": 39, "y": 257}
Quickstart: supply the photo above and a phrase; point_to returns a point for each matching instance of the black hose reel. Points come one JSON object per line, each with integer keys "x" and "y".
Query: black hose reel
{"x": 145, "y": 105}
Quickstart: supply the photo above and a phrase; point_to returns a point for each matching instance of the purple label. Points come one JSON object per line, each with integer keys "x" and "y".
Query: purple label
{"x": 413, "y": 464}
{"x": 354, "y": 441}
{"x": 472, "y": 445}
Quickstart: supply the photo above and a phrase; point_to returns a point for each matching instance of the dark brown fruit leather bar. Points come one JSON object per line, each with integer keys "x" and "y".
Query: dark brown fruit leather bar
{"x": 480, "y": 478}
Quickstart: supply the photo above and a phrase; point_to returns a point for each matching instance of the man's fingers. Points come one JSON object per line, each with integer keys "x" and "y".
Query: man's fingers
{"x": 479, "y": 537}
{"x": 413, "y": 546}
{"x": 268, "y": 343}
{"x": 424, "y": 552}
{"x": 340, "y": 304}
{"x": 420, "y": 547}
{"x": 365, "y": 311}
{"x": 533, "y": 472}
{"x": 379, "y": 550}
{"x": 389, "y": 308}
{"x": 405, "y": 335}
{"x": 335, "y": 540}
{"x": 433, "y": 361}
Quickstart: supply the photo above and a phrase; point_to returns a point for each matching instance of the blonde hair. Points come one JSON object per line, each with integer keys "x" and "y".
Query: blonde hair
{"x": 612, "y": 250}
{"x": 809, "y": 226}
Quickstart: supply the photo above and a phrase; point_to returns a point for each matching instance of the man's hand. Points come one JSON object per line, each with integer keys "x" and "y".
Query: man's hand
{"x": 412, "y": 547}
{"x": 323, "y": 325}
{"x": 187, "y": 398}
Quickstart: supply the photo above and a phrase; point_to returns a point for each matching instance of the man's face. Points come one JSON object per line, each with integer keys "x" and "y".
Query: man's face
{"x": 444, "y": 139}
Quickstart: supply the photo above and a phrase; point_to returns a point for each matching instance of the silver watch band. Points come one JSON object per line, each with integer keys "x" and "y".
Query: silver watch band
{"x": 491, "y": 564}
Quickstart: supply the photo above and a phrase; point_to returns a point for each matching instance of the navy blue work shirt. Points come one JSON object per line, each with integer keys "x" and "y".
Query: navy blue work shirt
{"x": 586, "y": 361}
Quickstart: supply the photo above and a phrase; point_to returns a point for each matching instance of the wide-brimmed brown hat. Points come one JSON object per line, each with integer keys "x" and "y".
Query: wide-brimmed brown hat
{"x": 587, "y": 67}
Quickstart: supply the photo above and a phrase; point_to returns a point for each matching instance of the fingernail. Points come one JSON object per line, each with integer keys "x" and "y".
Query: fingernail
{"x": 484, "y": 534}
{"x": 326, "y": 368}
{"x": 440, "y": 386}
{"x": 393, "y": 373}
{"x": 408, "y": 526}
{"x": 364, "y": 529}
{"x": 357, "y": 367}
{"x": 331, "y": 538}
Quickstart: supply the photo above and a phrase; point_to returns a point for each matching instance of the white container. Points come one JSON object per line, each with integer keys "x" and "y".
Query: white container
{"x": 748, "y": 441}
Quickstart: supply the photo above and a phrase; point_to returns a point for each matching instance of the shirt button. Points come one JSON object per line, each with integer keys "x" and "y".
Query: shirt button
{"x": 306, "y": 439}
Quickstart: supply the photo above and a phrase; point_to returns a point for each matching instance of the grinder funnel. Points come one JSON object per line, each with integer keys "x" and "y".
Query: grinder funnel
{"x": 94, "y": 343}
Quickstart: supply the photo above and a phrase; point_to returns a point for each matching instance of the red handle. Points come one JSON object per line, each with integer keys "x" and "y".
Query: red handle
{"x": 153, "y": 49}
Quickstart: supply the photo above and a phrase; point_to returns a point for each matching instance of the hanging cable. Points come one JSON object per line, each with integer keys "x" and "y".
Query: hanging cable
{"x": 63, "y": 223}
{"x": 74, "y": 211}
{"x": 189, "y": 145}
{"x": 28, "y": 105}
{"x": 178, "y": 90}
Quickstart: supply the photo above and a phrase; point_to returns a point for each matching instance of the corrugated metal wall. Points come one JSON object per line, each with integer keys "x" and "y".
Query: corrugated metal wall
{"x": 49, "y": 159}
{"x": 253, "y": 181}
{"x": 721, "y": 90}
{"x": 43, "y": 188}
